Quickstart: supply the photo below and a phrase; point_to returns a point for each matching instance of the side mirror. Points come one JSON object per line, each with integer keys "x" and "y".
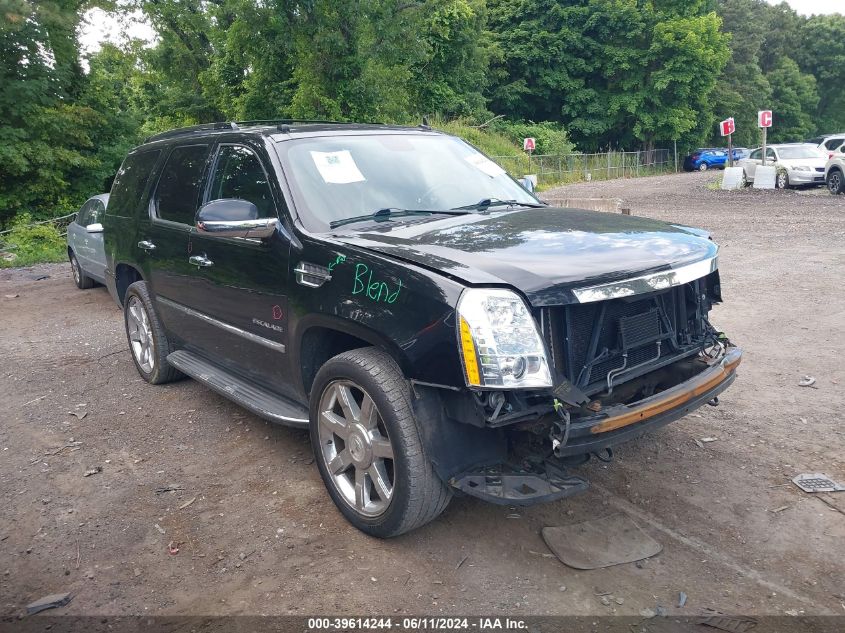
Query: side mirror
{"x": 94, "y": 228}
{"x": 233, "y": 217}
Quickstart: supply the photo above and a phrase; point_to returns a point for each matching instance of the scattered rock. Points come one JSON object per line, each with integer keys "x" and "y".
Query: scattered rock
{"x": 92, "y": 471}
{"x": 48, "y": 602}
{"x": 14, "y": 296}
{"x": 159, "y": 528}
{"x": 648, "y": 613}
{"x": 682, "y": 599}
{"x": 605, "y": 601}
{"x": 619, "y": 600}
{"x": 807, "y": 381}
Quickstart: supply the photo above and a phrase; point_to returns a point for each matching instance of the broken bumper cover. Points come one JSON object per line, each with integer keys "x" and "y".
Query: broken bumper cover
{"x": 505, "y": 486}
{"x": 623, "y": 423}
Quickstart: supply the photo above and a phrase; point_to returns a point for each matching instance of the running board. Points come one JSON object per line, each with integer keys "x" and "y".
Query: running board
{"x": 256, "y": 399}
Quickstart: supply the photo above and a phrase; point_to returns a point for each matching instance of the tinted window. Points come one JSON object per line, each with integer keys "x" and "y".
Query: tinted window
{"x": 756, "y": 154}
{"x": 177, "y": 195}
{"x": 130, "y": 182}
{"x": 238, "y": 174}
{"x": 83, "y": 213}
{"x": 96, "y": 212}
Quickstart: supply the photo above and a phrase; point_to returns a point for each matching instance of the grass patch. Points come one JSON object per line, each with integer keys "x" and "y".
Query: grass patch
{"x": 29, "y": 244}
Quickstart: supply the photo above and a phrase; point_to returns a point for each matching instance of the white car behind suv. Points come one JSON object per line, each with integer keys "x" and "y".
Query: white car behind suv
{"x": 829, "y": 143}
{"x": 797, "y": 164}
{"x": 834, "y": 173}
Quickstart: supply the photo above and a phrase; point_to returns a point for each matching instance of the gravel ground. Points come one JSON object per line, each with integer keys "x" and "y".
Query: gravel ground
{"x": 257, "y": 534}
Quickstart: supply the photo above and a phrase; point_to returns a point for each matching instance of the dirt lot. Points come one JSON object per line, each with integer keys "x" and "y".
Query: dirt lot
{"x": 257, "y": 534}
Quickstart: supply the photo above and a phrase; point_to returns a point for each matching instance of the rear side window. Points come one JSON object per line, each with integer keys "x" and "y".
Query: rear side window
{"x": 83, "y": 214}
{"x": 833, "y": 143}
{"x": 130, "y": 182}
{"x": 177, "y": 195}
{"x": 238, "y": 174}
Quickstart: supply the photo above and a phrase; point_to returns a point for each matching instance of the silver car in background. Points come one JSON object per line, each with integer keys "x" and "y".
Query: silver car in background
{"x": 797, "y": 164}
{"x": 85, "y": 243}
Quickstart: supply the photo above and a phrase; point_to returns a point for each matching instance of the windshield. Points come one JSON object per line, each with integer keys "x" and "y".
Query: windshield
{"x": 341, "y": 177}
{"x": 799, "y": 152}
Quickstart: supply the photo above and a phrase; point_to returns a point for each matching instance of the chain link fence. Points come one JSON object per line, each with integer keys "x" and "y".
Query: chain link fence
{"x": 565, "y": 168}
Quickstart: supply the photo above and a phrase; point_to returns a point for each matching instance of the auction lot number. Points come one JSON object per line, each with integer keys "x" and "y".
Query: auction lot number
{"x": 415, "y": 624}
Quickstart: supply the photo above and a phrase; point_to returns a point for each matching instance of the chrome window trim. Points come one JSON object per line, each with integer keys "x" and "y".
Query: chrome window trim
{"x": 647, "y": 283}
{"x": 260, "y": 340}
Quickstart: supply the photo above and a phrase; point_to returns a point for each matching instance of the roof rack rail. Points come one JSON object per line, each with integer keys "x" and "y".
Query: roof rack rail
{"x": 283, "y": 124}
{"x": 203, "y": 127}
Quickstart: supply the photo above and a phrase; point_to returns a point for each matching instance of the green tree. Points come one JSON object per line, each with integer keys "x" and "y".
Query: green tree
{"x": 623, "y": 72}
{"x": 820, "y": 52}
{"x": 794, "y": 101}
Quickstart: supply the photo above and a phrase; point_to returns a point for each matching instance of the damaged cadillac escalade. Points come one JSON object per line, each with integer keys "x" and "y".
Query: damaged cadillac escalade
{"x": 435, "y": 326}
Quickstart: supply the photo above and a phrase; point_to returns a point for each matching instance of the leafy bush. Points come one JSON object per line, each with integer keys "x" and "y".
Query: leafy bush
{"x": 551, "y": 138}
{"x": 32, "y": 244}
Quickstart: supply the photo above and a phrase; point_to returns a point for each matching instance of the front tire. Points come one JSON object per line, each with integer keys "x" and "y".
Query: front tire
{"x": 82, "y": 281}
{"x": 147, "y": 339}
{"x": 368, "y": 448}
{"x": 835, "y": 182}
{"x": 703, "y": 167}
{"x": 782, "y": 180}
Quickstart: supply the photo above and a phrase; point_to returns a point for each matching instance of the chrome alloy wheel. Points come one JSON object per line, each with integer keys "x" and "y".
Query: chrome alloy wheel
{"x": 140, "y": 334}
{"x": 74, "y": 266}
{"x": 355, "y": 448}
{"x": 834, "y": 183}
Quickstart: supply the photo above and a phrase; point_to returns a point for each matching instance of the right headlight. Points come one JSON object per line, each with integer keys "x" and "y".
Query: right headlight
{"x": 500, "y": 345}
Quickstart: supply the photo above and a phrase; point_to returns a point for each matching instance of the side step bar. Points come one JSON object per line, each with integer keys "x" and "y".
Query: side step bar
{"x": 256, "y": 399}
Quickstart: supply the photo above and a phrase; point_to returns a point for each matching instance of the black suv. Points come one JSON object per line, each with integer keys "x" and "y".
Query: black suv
{"x": 435, "y": 326}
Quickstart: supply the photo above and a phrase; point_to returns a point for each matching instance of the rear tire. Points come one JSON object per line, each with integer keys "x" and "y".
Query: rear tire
{"x": 703, "y": 167}
{"x": 835, "y": 182}
{"x": 368, "y": 448}
{"x": 147, "y": 339}
{"x": 83, "y": 281}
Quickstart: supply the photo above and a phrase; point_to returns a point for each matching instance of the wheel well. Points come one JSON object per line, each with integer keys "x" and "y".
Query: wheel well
{"x": 125, "y": 276}
{"x": 318, "y": 345}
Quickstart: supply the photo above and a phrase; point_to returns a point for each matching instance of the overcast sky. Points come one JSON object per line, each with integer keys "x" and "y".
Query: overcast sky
{"x": 101, "y": 27}
{"x": 809, "y": 7}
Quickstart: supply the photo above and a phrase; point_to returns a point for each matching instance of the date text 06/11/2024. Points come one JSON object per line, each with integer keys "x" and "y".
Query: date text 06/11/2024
{"x": 421, "y": 623}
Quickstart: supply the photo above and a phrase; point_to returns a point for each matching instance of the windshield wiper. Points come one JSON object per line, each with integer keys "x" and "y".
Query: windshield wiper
{"x": 485, "y": 203}
{"x": 391, "y": 212}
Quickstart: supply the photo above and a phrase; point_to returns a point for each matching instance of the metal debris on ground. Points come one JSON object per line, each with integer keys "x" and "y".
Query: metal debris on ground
{"x": 729, "y": 623}
{"x": 79, "y": 415}
{"x": 780, "y": 509}
{"x": 816, "y": 482}
{"x": 682, "y": 599}
{"x": 461, "y": 562}
{"x": 92, "y": 471}
{"x": 52, "y": 601}
{"x": 807, "y": 381}
{"x": 698, "y": 443}
{"x": 159, "y": 528}
{"x": 187, "y": 503}
{"x": 14, "y": 296}
{"x": 171, "y": 488}
{"x": 707, "y": 440}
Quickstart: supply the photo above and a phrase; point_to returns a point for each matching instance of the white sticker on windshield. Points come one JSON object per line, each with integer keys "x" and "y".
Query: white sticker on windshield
{"x": 479, "y": 161}
{"x": 337, "y": 168}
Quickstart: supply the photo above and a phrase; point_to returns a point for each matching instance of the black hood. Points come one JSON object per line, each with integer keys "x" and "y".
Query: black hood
{"x": 545, "y": 252}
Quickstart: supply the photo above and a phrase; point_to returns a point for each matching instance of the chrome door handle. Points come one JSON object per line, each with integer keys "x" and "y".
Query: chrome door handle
{"x": 146, "y": 245}
{"x": 200, "y": 261}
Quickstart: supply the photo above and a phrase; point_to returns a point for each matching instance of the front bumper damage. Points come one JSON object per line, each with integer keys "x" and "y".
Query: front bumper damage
{"x": 530, "y": 483}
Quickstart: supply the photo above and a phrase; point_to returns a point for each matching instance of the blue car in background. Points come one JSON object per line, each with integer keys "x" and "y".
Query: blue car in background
{"x": 705, "y": 158}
